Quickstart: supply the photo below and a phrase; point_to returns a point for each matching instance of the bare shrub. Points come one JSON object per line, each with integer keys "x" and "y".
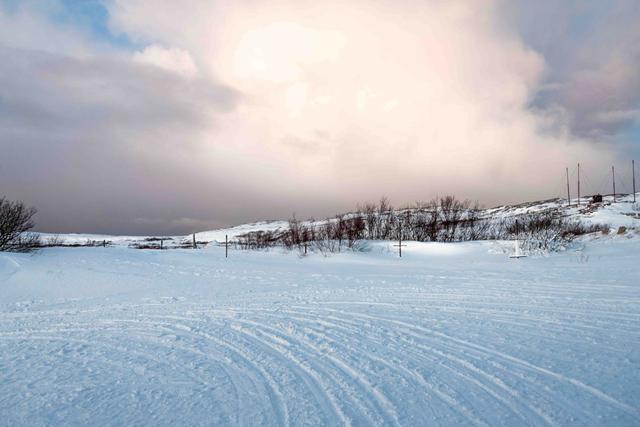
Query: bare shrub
{"x": 369, "y": 218}
{"x": 548, "y": 231}
{"x": 577, "y": 228}
{"x": 54, "y": 241}
{"x": 16, "y": 219}
{"x": 444, "y": 219}
{"x": 259, "y": 239}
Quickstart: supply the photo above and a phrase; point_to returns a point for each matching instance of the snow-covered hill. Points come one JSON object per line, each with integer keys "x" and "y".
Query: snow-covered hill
{"x": 622, "y": 212}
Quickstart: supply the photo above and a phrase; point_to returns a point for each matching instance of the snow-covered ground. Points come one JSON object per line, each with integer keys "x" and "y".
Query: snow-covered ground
{"x": 451, "y": 334}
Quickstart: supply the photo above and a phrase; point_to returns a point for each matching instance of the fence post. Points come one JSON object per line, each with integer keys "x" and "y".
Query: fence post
{"x": 226, "y": 246}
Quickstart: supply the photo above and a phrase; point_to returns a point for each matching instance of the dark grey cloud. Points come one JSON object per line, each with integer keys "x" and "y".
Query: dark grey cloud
{"x": 90, "y": 140}
{"x": 106, "y": 144}
{"x": 592, "y": 51}
{"x": 59, "y": 93}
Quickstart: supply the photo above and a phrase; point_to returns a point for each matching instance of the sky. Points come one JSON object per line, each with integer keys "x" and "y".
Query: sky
{"x": 164, "y": 117}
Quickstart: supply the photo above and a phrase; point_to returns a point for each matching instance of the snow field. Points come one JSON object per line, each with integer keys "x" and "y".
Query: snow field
{"x": 451, "y": 334}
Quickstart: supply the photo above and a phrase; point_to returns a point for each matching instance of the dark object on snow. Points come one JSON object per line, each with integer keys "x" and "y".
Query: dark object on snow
{"x": 597, "y": 198}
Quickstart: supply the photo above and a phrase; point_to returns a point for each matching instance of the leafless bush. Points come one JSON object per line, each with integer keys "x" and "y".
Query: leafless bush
{"x": 426, "y": 221}
{"x": 577, "y": 228}
{"x": 149, "y": 245}
{"x": 259, "y": 239}
{"x": 54, "y": 241}
{"x": 444, "y": 219}
{"x": 89, "y": 243}
{"x": 325, "y": 242}
{"x": 384, "y": 219}
{"x": 354, "y": 230}
{"x": 26, "y": 242}
{"x": 547, "y": 231}
{"x": 16, "y": 219}
{"x": 369, "y": 218}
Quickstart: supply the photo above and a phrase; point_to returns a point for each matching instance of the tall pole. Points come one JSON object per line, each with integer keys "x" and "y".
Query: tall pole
{"x": 568, "y": 193}
{"x": 613, "y": 176}
{"x": 633, "y": 172}
{"x": 578, "y": 184}
{"x": 194, "y": 240}
{"x": 226, "y": 246}
{"x": 400, "y": 244}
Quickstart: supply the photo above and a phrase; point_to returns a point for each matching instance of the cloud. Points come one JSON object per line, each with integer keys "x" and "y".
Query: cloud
{"x": 222, "y": 112}
{"x": 174, "y": 60}
{"x": 96, "y": 139}
{"x": 402, "y": 94}
{"x": 594, "y": 51}
{"x": 619, "y": 116}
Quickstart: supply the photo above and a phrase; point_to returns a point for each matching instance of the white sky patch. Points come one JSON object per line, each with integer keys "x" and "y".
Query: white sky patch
{"x": 278, "y": 52}
{"x": 296, "y": 98}
{"x": 171, "y": 59}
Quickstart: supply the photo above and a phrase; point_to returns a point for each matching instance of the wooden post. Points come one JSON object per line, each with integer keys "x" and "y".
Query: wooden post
{"x": 194, "y": 241}
{"x": 305, "y": 248}
{"x": 104, "y": 243}
{"x": 613, "y": 176}
{"x": 226, "y": 246}
{"x": 400, "y": 245}
{"x": 578, "y": 184}
{"x": 161, "y": 242}
{"x": 568, "y": 193}
{"x": 633, "y": 173}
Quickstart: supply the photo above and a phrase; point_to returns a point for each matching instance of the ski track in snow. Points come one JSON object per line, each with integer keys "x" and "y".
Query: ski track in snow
{"x": 117, "y": 337}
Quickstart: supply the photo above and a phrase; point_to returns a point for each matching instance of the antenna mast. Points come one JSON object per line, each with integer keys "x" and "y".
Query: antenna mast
{"x": 633, "y": 172}
{"x": 568, "y": 193}
{"x": 578, "y": 184}
{"x": 613, "y": 176}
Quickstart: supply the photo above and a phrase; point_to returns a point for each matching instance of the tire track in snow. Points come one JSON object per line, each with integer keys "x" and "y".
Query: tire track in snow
{"x": 126, "y": 348}
{"x": 510, "y": 402}
{"x": 311, "y": 378}
{"x": 513, "y": 400}
{"x": 311, "y": 365}
{"x": 408, "y": 374}
{"x": 383, "y": 405}
{"x": 585, "y": 387}
{"x": 276, "y": 399}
